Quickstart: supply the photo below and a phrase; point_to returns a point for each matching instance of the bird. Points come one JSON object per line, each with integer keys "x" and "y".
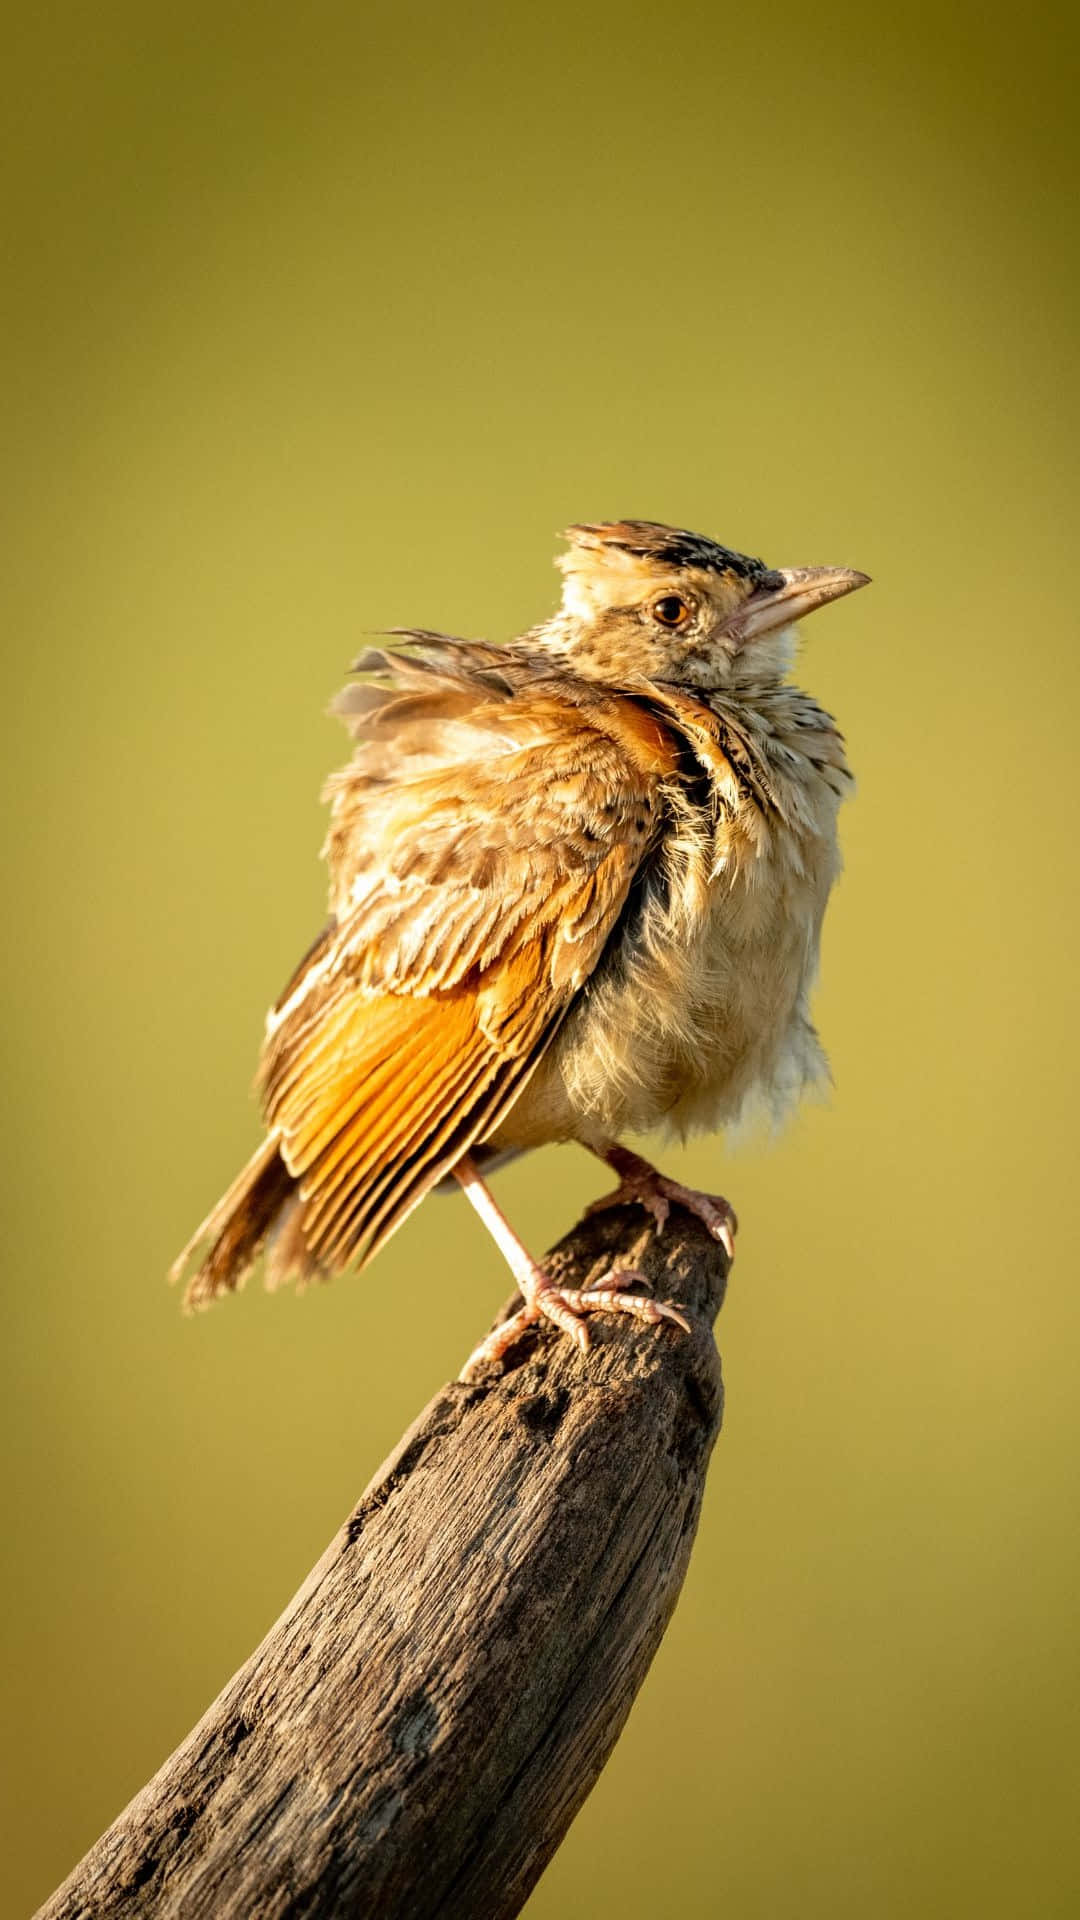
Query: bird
{"x": 577, "y": 882}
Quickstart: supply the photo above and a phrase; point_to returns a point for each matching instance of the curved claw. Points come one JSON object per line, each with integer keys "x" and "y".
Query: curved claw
{"x": 565, "y": 1306}
{"x": 602, "y": 1296}
{"x": 642, "y": 1185}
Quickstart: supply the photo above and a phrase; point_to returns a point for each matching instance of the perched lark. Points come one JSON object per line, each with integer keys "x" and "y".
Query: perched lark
{"x": 576, "y": 890}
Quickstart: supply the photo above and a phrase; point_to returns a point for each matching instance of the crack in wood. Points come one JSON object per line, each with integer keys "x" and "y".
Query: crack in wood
{"x": 416, "y": 1733}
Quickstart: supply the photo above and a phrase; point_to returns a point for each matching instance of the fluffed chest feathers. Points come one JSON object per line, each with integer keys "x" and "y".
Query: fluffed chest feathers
{"x": 700, "y": 1018}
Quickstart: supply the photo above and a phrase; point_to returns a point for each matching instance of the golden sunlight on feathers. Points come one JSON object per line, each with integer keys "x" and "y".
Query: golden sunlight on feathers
{"x": 576, "y": 886}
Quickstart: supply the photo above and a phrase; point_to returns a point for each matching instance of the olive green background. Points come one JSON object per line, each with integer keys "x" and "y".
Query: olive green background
{"x": 322, "y": 319}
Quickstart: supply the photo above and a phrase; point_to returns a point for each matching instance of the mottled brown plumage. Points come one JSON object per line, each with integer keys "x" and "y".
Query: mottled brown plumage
{"x": 576, "y": 890}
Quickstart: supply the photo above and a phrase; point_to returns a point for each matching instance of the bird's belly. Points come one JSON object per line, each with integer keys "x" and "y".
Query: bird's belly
{"x": 689, "y": 1034}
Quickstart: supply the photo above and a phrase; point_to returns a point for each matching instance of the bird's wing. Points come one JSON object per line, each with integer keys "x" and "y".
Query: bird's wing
{"x": 482, "y": 845}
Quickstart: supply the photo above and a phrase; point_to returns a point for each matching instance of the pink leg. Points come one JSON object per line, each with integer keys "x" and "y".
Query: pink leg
{"x": 543, "y": 1299}
{"x": 653, "y": 1190}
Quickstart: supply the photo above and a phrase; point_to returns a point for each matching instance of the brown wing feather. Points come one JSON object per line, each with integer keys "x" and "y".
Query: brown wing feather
{"x": 237, "y": 1227}
{"x": 401, "y": 1085}
{"x": 482, "y": 845}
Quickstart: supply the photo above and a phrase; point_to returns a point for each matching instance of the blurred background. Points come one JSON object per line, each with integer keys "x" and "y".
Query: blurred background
{"x": 320, "y": 320}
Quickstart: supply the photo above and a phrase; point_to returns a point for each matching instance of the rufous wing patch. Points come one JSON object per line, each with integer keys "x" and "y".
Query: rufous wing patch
{"x": 482, "y": 846}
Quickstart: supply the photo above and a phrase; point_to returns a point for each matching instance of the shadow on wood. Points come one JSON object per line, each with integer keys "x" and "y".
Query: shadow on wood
{"x": 417, "y": 1731}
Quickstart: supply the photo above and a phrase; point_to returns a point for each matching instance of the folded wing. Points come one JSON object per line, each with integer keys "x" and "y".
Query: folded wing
{"x": 482, "y": 845}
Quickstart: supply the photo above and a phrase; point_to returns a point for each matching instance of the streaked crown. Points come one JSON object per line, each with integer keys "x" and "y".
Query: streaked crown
{"x": 664, "y": 546}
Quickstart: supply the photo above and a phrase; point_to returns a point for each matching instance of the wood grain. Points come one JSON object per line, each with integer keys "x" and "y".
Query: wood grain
{"x": 417, "y": 1731}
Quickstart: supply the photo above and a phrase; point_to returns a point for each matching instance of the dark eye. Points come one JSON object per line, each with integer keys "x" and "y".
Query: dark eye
{"x": 672, "y": 611}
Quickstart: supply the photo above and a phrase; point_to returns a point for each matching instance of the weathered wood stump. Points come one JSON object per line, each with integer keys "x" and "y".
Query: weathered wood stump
{"x": 417, "y": 1731}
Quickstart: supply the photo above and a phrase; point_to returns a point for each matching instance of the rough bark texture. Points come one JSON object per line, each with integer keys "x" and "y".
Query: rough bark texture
{"x": 417, "y": 1731}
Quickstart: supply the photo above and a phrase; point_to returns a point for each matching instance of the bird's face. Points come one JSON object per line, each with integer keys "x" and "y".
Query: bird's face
{"x": 642, "y": 600}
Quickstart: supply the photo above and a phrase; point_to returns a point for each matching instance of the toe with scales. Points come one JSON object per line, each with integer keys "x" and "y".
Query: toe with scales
{"x": 544, "y": 1298}
{"x": 566, "y": 1307}
{"x": 644, "y": 1185}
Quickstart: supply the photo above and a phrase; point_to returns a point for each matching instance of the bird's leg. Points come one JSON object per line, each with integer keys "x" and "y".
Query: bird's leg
{"x": 653, "y": 1190}
{"x": 544, "y": 1299}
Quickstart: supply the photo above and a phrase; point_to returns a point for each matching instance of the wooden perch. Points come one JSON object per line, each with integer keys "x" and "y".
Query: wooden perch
{"x": 416, "y": 1733}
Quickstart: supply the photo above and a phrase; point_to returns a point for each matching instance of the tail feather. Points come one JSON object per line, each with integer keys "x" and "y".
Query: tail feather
{"x": 237, "y": 1227}
{"x": 288, "y": 1256}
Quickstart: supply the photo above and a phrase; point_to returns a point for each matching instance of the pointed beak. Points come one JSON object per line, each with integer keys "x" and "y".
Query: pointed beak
{"x": 787, "y": 594}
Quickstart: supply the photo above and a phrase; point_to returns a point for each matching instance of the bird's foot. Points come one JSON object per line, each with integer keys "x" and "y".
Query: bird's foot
{"x": 639, "y": 1182}
{"x": 566, "y": 1307}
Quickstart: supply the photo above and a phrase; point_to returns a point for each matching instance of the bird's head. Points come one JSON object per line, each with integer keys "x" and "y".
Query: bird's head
{"x": 646, "y": 600}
